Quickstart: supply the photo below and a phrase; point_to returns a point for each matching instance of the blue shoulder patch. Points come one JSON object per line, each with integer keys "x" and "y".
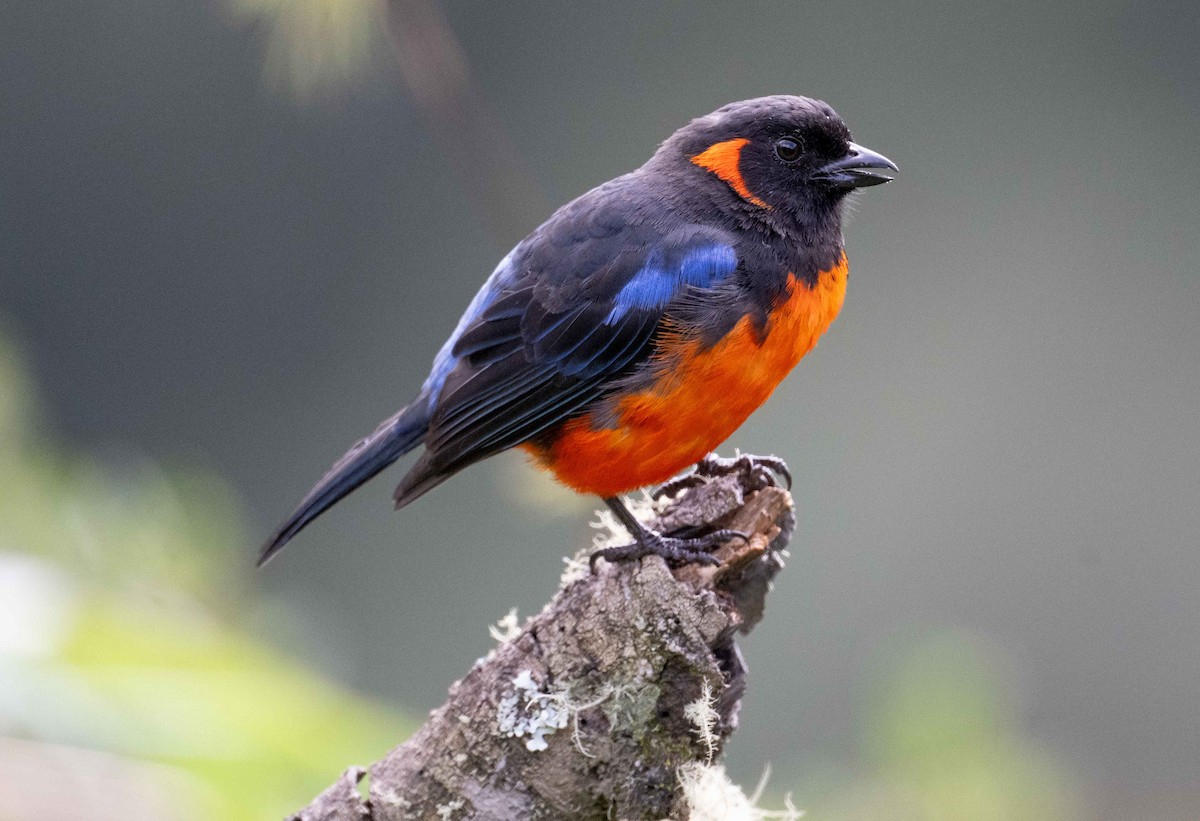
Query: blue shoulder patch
{"x": 665, "y": 274}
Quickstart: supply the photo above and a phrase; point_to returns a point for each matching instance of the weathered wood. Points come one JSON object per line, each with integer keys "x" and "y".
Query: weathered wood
{"x": 591, "y": 710}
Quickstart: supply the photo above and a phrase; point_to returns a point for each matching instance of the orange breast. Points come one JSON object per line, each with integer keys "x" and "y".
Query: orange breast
{"x": 701, "y": 398}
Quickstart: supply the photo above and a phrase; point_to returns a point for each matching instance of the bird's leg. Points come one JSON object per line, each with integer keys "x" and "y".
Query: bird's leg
{"x": 759, "y": 472}
{"x": 647, "y": 542}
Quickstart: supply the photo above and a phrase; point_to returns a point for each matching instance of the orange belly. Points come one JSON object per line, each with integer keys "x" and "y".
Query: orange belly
{"x": 701, "y": 398}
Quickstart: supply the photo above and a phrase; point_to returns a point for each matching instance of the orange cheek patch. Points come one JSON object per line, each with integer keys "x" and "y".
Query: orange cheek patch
{"x": 723, "y": 159}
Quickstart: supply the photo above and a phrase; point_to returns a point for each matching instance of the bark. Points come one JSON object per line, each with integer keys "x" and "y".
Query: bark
{"x": 593, "y": 708}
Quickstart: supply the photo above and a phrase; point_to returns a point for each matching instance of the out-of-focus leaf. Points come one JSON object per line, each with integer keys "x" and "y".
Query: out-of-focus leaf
{"x": 313, "y": 47}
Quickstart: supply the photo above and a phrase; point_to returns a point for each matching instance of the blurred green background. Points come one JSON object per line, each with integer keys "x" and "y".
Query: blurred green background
{"x": 233, "y": 234}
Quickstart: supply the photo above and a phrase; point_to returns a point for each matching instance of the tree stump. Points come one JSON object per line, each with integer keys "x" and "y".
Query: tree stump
{"x": 614, "y": 702}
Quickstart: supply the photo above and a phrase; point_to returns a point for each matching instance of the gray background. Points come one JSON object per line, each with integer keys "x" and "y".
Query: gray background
{"x": 998, "y": 436}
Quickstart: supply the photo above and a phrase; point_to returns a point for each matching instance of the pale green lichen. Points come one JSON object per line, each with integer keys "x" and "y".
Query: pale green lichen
{"x": 576, "y": 568}
{"x": 530, "y": 712}
{"x": 711, "y": 796}
{"x": 506, "y": 629}
{"x": 446, "y": 811}
{"x": 631, "y": 707}
{"x": 703, "y": 715}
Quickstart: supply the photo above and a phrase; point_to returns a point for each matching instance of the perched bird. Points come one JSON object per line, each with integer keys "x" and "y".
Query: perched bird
{"x": 640, "y": 325}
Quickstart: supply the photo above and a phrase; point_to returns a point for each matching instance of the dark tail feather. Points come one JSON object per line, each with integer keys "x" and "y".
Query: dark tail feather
{"x": 391, "y": 440}
{"x": 423, "y": 477}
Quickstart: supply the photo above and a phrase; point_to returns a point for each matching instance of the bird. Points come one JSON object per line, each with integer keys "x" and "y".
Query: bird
{"x": 640, "y": 325}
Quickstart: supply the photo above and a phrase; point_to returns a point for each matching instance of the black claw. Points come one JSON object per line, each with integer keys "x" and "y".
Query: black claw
{"x": 767, "y": 465}
{"x": 782, "y": 470}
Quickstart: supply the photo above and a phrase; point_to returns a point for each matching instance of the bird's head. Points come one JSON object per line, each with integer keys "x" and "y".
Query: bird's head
{"x": 789, "y": 158}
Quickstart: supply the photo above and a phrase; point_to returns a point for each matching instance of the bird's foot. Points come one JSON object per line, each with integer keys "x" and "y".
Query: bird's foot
{"x": 671, "y": 487}
{"x": 674, "y": 550}
{"x": 757, "y": 471}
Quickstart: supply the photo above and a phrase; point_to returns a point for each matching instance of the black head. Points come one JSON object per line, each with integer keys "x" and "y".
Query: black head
{"x": 785, "y": 156}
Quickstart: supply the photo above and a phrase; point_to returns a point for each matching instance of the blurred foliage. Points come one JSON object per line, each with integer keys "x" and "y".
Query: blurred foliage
{"x": 941, "y": 742}
{"x": 126, "y": 626}
{"x": 314, "y": 47}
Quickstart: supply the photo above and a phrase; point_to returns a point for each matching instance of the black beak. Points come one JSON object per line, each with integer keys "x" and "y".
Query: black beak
{"x": 852, "y": 171}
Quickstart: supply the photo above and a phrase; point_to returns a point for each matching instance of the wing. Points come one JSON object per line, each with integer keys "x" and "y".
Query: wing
{"x": 577, "y": 308}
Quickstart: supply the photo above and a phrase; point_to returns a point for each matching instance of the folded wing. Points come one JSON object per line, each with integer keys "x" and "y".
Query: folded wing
{"x": 579, "y": 311}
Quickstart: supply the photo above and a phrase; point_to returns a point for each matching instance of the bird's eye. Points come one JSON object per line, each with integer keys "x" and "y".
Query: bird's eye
{"x": 788, "y": 149}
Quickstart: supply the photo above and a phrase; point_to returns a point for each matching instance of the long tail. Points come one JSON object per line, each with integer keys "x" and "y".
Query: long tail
{"x": 391, "y": 440}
